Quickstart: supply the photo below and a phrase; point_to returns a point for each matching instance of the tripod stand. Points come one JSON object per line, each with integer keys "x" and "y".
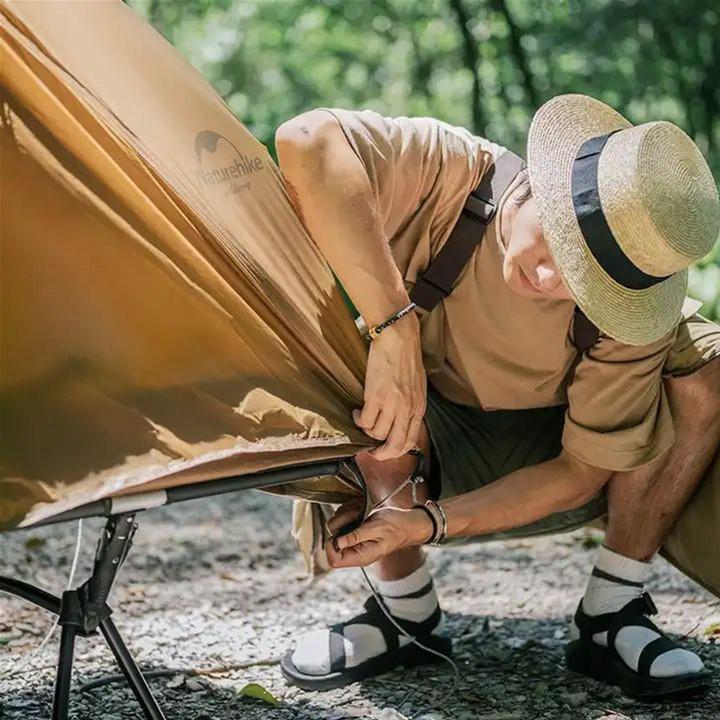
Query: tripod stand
{"x": 84, "y": 610}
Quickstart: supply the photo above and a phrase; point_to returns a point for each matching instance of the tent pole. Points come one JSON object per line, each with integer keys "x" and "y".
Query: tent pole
{"x": 131, "y": 671}
{"x": 61, "y": 699}
{"x": 84, "y": 610}
{"x": 192, "y": 491}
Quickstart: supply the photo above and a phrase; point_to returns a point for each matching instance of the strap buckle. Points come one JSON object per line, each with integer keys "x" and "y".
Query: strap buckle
{"x": 479, "y": 208}
{"x": 649, "y": 604}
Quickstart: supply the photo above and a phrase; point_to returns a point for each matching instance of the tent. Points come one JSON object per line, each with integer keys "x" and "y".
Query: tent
{"x": 168, "y": 329}
{"x": 165, "y": 316}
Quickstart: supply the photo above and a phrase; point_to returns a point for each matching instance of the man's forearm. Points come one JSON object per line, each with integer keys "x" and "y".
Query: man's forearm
{"x": 337, "y": 204}
{"x": 523, "y": 496}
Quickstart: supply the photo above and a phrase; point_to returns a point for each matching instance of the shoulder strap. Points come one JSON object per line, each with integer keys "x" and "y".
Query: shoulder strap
{"x": 436, "y": 283}
{"x": 479, "y": 210}
{"x": 584, "y": 334}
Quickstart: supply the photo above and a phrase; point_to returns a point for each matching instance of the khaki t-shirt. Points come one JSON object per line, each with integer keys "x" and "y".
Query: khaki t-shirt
{"x": 485, "y": 345}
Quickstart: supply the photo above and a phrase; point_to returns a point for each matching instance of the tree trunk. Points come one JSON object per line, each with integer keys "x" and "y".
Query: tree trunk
{"x": 471, "y": 58}
{"x": 518, "y": 52}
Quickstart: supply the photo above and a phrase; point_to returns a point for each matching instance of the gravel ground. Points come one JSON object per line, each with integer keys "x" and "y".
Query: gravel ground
{"x": 218, "y": 582}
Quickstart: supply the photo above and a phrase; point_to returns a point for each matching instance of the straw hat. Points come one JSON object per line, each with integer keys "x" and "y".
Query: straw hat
{"x": 624, "y": 210}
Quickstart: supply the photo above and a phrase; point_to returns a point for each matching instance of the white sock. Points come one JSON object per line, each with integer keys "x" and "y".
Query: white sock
{"x": 603, "y": 594}
{"x": 614, "y": 582}
{"x": 404, "y": 599}
{"x": 399, "y": 595}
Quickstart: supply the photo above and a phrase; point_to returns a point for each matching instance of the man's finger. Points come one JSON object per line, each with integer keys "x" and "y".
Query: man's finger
{"x": 357, "y": 556}
{"x": 365, "y": 533}
{"x": 343, "y": 515}
{"x": 367, "y": 416}
{"x": 395, "y": 444}
{"x": 383, "y": 424}
{"x": 413, "y": 434}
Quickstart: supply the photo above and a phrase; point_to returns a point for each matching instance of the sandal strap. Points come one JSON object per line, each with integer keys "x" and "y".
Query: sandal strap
{"x": 651, "y": 651}
{"x": 375, "y": 617}
{"x": 633, "y": 613}
{"x": 337, "y": 651}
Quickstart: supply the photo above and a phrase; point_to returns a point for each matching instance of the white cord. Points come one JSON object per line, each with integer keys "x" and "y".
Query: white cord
{"x": 20, "y": 665}
{"x": 391, "y": 495}
{"x": 411, "y": 479}
{"x": 413, "y": 640}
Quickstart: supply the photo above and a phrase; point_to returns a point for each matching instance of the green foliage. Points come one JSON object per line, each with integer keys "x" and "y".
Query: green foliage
{"x": 482, "y": 64}
{"x": 705, "y": 283}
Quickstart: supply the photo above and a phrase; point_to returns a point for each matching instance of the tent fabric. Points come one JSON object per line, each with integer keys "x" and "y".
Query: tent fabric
{"x": 165, "y": 316}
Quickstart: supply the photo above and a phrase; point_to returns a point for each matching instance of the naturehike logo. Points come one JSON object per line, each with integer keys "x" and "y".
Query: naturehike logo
{"x": 222, "y": 164}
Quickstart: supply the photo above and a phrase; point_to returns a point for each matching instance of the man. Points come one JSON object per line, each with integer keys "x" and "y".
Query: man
{"x": 523, "y": 433}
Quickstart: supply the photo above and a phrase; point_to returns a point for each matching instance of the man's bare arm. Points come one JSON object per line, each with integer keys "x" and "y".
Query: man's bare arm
{"x": 336, "y": 202}
{"x": 561, "y": 483}
{"x": 331, "y": 190}
{"x": 517, "y": 499}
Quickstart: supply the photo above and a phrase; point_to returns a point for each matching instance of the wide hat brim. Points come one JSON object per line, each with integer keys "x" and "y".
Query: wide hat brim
{"x": 633, "y": 317}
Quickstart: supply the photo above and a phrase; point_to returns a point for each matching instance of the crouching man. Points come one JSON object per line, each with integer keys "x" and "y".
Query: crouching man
{"x": 524, "y": 428}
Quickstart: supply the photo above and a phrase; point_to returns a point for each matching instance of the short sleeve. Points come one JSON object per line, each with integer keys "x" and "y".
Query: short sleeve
{"x": 421, "y": 170}
{"x": 618, "y": 414}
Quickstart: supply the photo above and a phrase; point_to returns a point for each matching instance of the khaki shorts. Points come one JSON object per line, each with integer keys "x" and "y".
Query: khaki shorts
{"x": 473, "y": 447}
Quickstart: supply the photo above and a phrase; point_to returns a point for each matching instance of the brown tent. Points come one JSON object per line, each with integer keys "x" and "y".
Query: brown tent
{"x": 165, "y": 317}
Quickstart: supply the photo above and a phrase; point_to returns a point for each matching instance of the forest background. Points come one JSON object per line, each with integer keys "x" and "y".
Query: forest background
{"x": 481, "y": 64}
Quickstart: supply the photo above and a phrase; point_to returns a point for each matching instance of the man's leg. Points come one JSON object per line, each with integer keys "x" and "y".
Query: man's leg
{"x": 368, "y": 644}
{"x": 382, "y": 478}
{"x": 643, "y": 506}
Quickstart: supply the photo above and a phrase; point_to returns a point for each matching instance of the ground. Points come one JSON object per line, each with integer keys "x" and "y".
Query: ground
{"x": 217, "y": 582}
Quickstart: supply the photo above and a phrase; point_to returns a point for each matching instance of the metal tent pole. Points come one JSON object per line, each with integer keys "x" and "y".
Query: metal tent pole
{"x": 84, "y": 610}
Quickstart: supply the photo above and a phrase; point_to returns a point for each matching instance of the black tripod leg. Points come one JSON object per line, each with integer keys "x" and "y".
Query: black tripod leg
{"x": 131, "y": 671}
{"x": 64, "y": 673}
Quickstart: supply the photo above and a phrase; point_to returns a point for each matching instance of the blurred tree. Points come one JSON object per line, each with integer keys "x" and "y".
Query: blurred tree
{"x": 482, "y": 64}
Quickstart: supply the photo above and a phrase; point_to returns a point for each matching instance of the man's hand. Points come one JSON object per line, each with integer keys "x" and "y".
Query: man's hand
{"x": 384, "y": 531}
{"x": 395, "y": 390}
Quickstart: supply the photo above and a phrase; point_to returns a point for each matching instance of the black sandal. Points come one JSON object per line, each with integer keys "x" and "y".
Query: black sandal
{"x": 409, "y": 655}
{"x": 586, "y": 657}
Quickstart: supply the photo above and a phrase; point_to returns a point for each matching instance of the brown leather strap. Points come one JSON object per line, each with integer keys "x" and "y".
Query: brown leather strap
{"x": 438, "y": 280}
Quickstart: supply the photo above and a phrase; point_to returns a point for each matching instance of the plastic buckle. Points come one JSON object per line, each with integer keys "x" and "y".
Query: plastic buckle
{"x": 480, "y": 209}
{"x": 649, "y": 604}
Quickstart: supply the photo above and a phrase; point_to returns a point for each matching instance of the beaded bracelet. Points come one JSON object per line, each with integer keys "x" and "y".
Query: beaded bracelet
{"x": 375, "y": 330}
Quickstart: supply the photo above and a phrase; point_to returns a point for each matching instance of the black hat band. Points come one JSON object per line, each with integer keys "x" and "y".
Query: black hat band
{"x": 592, "y": 221}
